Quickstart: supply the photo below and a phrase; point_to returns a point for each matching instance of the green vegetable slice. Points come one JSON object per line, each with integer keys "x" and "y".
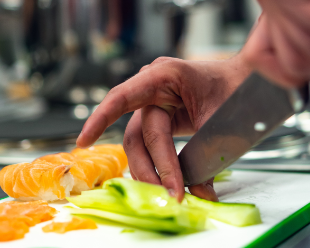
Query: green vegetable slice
{"x": 236, "y": 214}
{"x": 160, "y": 225}
{"x": 144, "y": 198}
{"x": 137, "y": 199}
{"x": 151, "y": 207}
{"x": 104, "y": 199}
{"x": 222, "y": 175}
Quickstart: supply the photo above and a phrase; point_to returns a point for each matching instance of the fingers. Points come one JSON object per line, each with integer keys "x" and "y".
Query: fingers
{"x": 204, "y": 190}
{"x": 156, "y": 128}
{"x": 155, "y": 86}
{"x": 261, "y": 53}
{"x": 139, "y": 161}
{"x": 124, "y": 98}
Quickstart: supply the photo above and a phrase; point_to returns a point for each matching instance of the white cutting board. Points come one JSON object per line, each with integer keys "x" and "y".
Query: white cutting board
{"x": 277, "y": 195}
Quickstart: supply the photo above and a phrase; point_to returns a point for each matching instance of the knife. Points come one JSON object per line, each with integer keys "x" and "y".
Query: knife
{"x": 254, "y": 110}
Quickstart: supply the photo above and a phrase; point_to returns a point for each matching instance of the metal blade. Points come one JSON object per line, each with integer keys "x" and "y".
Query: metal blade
{"x": 255, "y": 109}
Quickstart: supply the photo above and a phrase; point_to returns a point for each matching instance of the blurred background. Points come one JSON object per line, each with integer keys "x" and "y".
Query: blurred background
{"x": 59, "y": 58}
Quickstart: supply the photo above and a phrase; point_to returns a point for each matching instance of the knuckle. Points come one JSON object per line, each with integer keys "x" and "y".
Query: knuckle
{"x": 129, "y": 141}
{"x": 161, "y": 60}
{"x": 165, "y": 174}
{"x": 151, "y": 138}
{"x": 167, "y": 71}
{"x": 170, "y": 62}
{"x": 113, "y": 91}
{"x": 163, "y": 77}
{"x": 117, "y": 93}
{"x": 145, "y": 177}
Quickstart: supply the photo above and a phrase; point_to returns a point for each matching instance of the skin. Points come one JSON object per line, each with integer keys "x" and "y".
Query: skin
{"x": 170, "y": 97}
{"x": 279, "y": 45}
{"x": 174, "y": 97}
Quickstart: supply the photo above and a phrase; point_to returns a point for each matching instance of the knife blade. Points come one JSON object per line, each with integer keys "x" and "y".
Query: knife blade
{"x": 254, "y": 110}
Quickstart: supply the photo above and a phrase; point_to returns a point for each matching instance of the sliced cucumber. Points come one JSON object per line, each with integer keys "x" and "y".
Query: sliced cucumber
{"x": 151, "y": 207}
{"x": 222, "y": 176}
{"x": 144, "y": 198}
{"x": 109, "y": 200}
{"x": 160, "y": 225}
{"x": 130, "y": 199}
{"x": 237, "y": 214}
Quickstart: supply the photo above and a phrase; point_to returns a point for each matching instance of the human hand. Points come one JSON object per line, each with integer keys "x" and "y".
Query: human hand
{"x": 170, "y": 97}
{"x": 279, "y": 46}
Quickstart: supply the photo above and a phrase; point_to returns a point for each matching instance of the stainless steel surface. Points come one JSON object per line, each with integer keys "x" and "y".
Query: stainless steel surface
{"x": 284, "y": 143}
{"x": 249, "y": 115}
{"x": 292, "y": 165}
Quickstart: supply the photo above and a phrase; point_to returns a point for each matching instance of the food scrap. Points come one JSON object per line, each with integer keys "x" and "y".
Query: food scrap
{"x": 74, "y": 224}
{"x": 17, "y": 217}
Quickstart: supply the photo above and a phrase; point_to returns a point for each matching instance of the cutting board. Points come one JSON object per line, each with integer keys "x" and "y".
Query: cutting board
{"x": 282, "y": 198}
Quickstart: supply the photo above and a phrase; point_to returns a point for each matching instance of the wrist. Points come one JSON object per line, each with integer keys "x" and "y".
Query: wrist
{"x": 237, "y": 69}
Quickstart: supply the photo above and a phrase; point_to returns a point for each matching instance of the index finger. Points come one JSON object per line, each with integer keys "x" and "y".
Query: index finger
{"x": 135, "y": 93}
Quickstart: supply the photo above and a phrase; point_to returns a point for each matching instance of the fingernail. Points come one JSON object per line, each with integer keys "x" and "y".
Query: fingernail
{"x": 172, "y": 192}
